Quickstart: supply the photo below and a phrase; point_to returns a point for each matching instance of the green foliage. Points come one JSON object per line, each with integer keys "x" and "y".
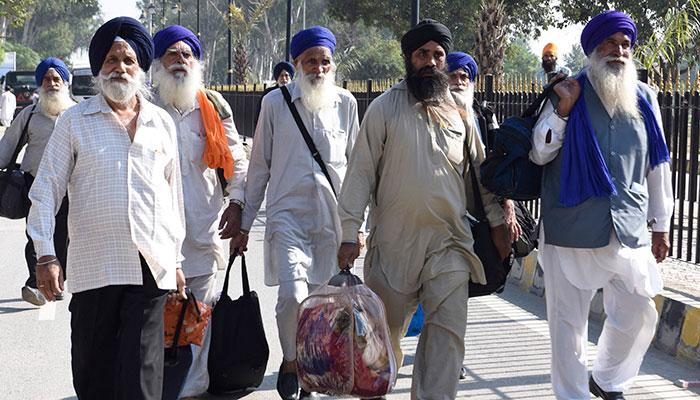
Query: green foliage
{"x": 27, "y": 59}
{"x": 16, "y": 11}
{"x": 519, "y": 58}
{"x": 375, "y": 57}
{"x": 575, "y": 59}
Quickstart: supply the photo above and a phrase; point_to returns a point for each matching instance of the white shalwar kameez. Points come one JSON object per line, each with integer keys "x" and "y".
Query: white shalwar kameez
{"x": 202, "y": 248}
{"x": 8, "y": 103}
{"x": 629, "y": 279}
{"x": 302, "y": 232}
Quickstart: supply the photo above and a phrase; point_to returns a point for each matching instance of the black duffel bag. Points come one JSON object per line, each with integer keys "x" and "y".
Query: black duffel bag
{"x": 238, "y": 351}
{"x": 14, "y": 188}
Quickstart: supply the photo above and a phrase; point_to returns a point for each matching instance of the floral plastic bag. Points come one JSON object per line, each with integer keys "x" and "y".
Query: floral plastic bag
{"x": 343, "y": 346}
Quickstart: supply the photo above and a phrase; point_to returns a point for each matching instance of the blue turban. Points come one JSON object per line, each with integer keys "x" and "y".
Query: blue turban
{"x": 128, "y": 29}
{"x": 311, "y": 37}
{"x": 458, "y": 60}
{"x": 284, "y": 65}
{"x": 604, "y": 25}
{"x": 173, "y": 34}
{"x": 51, "y": 62}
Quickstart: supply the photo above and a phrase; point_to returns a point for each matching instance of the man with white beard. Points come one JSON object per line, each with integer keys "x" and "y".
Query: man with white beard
{"x": 606, "y": 173}
{"x": 52, "y": 78}
{"x": 116, "y": 155}
{"x": 201, "y": 131}
{"x": 302, "y": 232}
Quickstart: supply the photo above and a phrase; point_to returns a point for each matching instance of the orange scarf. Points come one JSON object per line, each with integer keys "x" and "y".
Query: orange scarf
{"x": 217, "y": 153}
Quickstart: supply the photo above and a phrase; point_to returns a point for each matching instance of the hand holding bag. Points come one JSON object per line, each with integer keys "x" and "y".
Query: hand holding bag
{"x": 14, "y": 191}
{"x": 238, "y": 351}
{"x": 185, "y": 320}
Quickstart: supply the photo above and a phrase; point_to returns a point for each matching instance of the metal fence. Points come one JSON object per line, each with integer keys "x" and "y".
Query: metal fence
{"x": 510, "y": 95}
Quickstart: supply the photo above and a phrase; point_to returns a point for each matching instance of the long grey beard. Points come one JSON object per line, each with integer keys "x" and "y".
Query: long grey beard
{"x": 177, "y": 89}
{"x": 464, "y": 99}
{"x": 616, "y": 85}
{"x": 54, "y": 103}
{"x": 317, "y": 90}
{"x": 122, "y": 92}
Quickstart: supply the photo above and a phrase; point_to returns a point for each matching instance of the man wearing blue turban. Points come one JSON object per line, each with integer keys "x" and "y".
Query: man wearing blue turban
{"x": 115, "y": 155}
{"x": 302, "y": 231}
{"x": 606, "y": 173}
{"x": 52, "y": 78}
{"x": 409, "y": 161}
{"x": 282, "y": 73}
{"x": 177, "y": 75}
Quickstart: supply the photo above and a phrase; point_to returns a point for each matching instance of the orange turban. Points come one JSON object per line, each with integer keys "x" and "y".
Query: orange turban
{"x": 550, "y": 47}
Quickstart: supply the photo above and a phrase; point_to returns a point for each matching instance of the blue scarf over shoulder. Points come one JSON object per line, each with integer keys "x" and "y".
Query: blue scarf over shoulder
{"x": 583, "y": 172}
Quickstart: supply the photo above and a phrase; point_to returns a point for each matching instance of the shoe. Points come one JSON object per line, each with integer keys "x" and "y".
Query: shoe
{"x": 287, "y": 385}
{"x": 303, "y": 394}
{"x": 33, "y": 296}
{"x": 598, "y": 392}
{"x": 463, "y": 372}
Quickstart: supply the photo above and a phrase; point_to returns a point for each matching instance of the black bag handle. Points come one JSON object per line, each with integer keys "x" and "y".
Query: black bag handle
{"x": 309, "y": 142}
{"x": 181, "y": 318}
{"x": 244, "y": 274}
{"x": 478, "y": 202}
{"x": 22, "y": 138}
{"x": 541, "y": 98}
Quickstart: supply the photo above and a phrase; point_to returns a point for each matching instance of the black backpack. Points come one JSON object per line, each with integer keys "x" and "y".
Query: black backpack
{"x": 507, "y": 171}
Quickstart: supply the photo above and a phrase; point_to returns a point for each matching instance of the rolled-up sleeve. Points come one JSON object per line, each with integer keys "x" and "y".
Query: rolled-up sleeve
{"x": 547, "y": 136}
{"x": 236, "y": 183}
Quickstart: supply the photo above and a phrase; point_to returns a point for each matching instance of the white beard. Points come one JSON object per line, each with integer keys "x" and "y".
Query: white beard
{"x": 122, "y": 92}
{"x": 616, "y": 85}
{"x": 317, "y": 90}
{"x": 464, "y": 98}
{"x": 178, "y": 88}
{"x": 54, "y": 103}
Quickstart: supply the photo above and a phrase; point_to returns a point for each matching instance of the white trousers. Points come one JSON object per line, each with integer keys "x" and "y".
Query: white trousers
{"x": 289, "y": 296}
{"x": 440, "y": 350}
{"x": 197, "y": 381}
{"x": 627, "y": 332}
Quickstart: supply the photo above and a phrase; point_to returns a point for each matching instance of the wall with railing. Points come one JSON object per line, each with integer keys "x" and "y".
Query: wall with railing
{"x": 679, "y": 100}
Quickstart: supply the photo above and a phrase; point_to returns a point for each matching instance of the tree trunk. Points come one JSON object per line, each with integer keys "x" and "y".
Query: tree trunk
{"x": 240, "y": 63}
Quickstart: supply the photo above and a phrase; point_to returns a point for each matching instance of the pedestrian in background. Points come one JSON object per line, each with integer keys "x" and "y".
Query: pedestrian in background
{"x": 8, "y": 104}
{"x": 550, "y": 56}
{"x": 52, "y": 78}
{"x": 116, "y": 155}
{"x": 302, "y": 232}
{"x": 594, "y": 232}
{"x": 206, "y": 141}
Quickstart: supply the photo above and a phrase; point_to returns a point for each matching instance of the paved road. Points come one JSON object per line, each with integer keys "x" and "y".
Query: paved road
{"x": 507, "y": 341}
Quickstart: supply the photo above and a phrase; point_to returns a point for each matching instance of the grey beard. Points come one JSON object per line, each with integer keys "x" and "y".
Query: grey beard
{"x": 54, "y": 103}
{"x": 316, "y": 95}
{"x": 177, "y": 89}
{"x": 122, "y": 92}
{"x": 616, "y": 85}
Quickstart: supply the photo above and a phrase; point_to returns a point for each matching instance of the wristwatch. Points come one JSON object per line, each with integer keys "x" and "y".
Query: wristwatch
{"x": 237, "y": 202}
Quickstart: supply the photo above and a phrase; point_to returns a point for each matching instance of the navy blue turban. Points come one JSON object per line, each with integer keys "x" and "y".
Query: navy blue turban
{"x": 604, "y": 25}
{"x": 173, "y": 34}
{"x": 128, "y": 29}
{"x": 459, "y": 60}
{"x": 311, "y": 37}
{"x": 425, "y": 31}
{"x": 284, "y": 65}
{"x": 51, "y": 62}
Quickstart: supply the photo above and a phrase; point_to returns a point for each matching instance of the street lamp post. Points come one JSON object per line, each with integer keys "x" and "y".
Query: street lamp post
{"x": 415, "y": 11}
{"x": 163, "y": 14}
{"x": 177, "y": 6}
{"x": 230, "y": 41}
{"x": 198, "y": 34}
{"x": 289, "y": 28}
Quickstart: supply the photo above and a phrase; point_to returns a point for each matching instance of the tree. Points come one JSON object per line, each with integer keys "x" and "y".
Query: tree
{"x": 575, "y": 59}
{"x": 519, "y": 58}
{"x": 27, "y": 59}
{"x": 491, "y": 33}
{"x": 12, "y": 13}
{"x": 375, "y": 56}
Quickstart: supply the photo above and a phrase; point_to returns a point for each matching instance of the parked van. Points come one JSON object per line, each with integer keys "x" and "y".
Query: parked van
{"x": 81, "y": 86}
{"x": 23, "y": 85}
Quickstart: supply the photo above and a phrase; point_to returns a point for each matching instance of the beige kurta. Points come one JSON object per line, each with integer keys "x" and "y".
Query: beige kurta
{"x": 411, "y": 168}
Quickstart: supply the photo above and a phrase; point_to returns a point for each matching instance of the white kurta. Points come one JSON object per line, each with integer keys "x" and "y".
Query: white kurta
{"x": 8, "y": 103}
{"x": 302, "y": 226}
{"x": 203, "y": 198}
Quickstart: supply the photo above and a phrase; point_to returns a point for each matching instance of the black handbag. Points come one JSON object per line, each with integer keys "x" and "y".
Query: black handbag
{"x": 238, "y": 351}
{"x": 14, "y": 188}
{"x": 495, "y": 269}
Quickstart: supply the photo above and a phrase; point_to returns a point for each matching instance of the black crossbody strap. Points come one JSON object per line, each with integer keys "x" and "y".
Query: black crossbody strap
{"x": 22, "y": 138}
{"x": 309, "y": 142}
{"x": 479, "y": 203}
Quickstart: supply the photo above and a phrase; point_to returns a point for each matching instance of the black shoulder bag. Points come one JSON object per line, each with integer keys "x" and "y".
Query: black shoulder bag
{"x": 495, "y": 269}
{"x": 14, "y": 191}
{"x": 238, "y": 351}
{"x": 307, "y": 138}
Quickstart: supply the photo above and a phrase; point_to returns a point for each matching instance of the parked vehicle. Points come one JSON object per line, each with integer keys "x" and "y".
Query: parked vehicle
{"x": 81, "y": 85}
{"x": 23, "y": 86}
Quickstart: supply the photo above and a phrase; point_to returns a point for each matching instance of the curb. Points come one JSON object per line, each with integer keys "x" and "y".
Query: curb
{"x": 678, "y": 328}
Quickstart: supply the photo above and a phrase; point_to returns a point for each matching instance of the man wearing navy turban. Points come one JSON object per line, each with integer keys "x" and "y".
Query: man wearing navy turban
{"x": 410, "y": 161}
{"x": 52, "y": 78}
{"x": 115, "y": 155}
{"x": 302, "y": 231}
{"x": 282, "y": 73}
{"x": 606, "y": 173}
{"x": 177, "y": 75}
